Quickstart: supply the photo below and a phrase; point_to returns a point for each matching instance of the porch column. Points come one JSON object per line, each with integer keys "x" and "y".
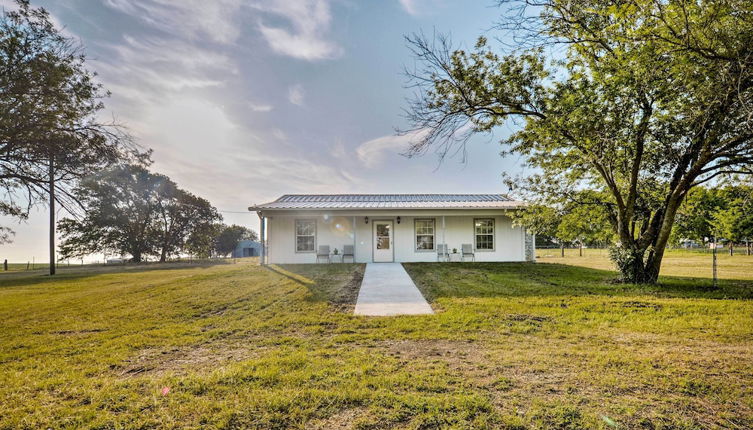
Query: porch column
{"x": 444, "y": 240}
{"x": 354, "y": 238}
{"x": 263, "y": 237}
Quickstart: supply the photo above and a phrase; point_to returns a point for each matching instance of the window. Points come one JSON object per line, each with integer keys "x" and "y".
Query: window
{"x": 424, "y": 234}
{"x": 305, "y": 235}
{"x": 484, "y": 232}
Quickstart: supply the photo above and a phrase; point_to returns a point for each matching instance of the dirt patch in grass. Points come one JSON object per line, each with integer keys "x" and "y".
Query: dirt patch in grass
{"x": 525, "y": 317}
{"x": 346, "y": 299}
{"x": 466, "y": 360}
{"x": 74, "y": 332}
{"x": 633, "y": 304}
{"x": 453, "y": 350}
{"x": 337, "y": 284}
{"x": 342, "y": 420}
{"x": 181, "y": 361}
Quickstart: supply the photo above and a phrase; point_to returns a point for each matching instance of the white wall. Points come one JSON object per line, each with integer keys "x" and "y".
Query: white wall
{"x": 336, "y": 231}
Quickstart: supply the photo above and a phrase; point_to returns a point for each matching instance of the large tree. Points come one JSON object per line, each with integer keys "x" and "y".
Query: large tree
{"x": 129, "y": 210}
{"x": 639, "y": 100}
{"x": 203, "y": 240}
{"x": 179, "y": 215}
{"x": 51, "y": 133}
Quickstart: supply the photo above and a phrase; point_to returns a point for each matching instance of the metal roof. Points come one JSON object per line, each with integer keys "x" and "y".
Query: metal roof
{"x": 391, "y": 201}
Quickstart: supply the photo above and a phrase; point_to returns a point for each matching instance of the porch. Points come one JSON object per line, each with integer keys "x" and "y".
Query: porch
{"x": 395, "y": 236}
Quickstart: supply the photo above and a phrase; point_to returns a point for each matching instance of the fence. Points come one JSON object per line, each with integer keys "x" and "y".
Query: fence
{"x": 32, "y": 265}
{"x": 574, "y": 250}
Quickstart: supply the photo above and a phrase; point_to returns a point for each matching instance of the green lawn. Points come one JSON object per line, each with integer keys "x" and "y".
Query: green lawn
{"x": 240, "y": 346}
{"x": 677, "y": 262}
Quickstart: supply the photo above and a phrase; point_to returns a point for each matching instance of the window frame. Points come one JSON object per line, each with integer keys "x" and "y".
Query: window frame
{"x": 296, "y": 235}
{"x": 434, "y": 234}
{"x": 493, "y": 235}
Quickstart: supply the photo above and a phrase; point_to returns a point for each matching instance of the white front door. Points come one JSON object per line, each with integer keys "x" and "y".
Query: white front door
{"x": 383, "y": 241}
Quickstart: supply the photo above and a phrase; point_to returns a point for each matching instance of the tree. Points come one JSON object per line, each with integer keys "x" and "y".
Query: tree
{"x": 696, "y": 213}
{"x": 179, "y": 214}
{"x": 646, "y": 100}
{"x": 50, "y": 133}
{"x": 130, "y": 210}
{"x": 735, "y": 222}
{"x": 202, "y": 240}
{"x": 568, "y": 223}
{"x": 229, "y": 237}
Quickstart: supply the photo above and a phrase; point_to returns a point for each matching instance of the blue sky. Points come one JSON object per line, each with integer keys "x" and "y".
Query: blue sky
{"x": 244, "y": 100}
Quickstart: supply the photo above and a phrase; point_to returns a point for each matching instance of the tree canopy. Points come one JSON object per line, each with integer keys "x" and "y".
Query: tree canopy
{"x": 131, "y": 211}
{"x": 568, "y": 223}
{"x": 638, "y": 101}
{"x": 49, "y": 105}
{"x": 51, "y": 132}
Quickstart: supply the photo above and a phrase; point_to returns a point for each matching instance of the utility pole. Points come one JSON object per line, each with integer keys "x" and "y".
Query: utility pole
{"x": 52, "y": 215}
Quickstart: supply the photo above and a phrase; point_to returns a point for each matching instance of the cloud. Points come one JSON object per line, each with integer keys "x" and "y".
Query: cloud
{"x": 279, "y": 134}
{"x": 373, "y": 152}
{"x": 296, "y": 94}
{"x": 410, "y": 6}
{"x": 196, "y": 19}
{"x": 419, "y": 7}
{"x": 259, "y": 107}
{"x": 306, "y": 36}
{"x": 144, "y": 71}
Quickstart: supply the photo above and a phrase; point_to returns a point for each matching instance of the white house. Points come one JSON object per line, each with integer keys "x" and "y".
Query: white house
{"x": 392, "y": 227}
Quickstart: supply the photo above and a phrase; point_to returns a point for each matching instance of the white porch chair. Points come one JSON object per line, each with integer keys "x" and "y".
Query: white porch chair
{"x": 466, "y": 250}
{"x": 323, "y": 253}
{"x": 348, "y": 252}
{"x": 442, "y": 253}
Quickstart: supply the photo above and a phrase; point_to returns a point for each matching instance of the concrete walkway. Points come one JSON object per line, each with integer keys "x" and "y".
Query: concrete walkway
{"x": 387, "y": 289}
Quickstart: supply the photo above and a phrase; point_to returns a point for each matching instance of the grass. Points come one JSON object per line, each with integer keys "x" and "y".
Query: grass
{"x": 676, "y": 262}
{"x": 241, "y": 346}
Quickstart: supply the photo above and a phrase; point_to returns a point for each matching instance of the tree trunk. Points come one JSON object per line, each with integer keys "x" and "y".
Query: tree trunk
{"x": 562, "y": 250}
{"x": 163, "y": 255}
{"x": 580, "y": 249}
{"x": 647, "y": 271}
{"x": 52, "y": 216}
{"x": 731, "y": 249}
{"x": 747, "y": 247}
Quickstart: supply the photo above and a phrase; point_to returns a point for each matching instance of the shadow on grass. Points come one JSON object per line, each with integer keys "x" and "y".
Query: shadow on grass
{"x": 337, "y": 284}
{"x": 437, "y": 280}
{"x": 16, "y": 279}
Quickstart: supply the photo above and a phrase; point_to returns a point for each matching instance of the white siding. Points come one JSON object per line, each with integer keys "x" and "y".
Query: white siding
{"x": 336, "y": 231}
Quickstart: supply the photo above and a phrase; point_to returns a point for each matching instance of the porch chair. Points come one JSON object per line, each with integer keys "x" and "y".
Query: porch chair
{"x": 442, "y": 254}
{"x": 466, "y": 250}
{"x": 323, "y": 253}
{"x": 348, "y": 252}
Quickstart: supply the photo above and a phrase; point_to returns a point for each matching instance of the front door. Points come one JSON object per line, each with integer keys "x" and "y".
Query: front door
{"x": 383, "y": 242}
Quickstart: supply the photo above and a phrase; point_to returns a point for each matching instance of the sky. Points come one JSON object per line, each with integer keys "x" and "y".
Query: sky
{"x": 246, "y": 100}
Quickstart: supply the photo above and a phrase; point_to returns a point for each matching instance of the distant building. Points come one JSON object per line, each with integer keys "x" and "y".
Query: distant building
{"x": 247, "y": 248}
{"x": 689, "y": 243}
